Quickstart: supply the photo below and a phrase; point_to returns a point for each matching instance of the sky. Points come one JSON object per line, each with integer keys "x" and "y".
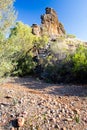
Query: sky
{"x": 72, "y": 14}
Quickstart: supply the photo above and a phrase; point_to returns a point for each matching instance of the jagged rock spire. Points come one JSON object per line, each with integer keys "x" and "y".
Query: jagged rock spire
{"x": 50, "y": 24}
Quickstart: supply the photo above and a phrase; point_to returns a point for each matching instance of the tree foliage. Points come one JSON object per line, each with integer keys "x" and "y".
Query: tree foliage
{"x": 7, "y": 14}
{"x": 16, "y": 52}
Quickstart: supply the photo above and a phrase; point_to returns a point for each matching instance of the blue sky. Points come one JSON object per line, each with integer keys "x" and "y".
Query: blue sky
{"x": 72, "y": 14}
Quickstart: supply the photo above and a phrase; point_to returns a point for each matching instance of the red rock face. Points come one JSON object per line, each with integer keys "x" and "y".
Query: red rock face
{"x": 50, "y": 24}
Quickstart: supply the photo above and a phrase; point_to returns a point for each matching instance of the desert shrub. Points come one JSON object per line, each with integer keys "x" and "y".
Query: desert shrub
{"x": 24, "y": 66}
{"x": 71, "y": 36}
{"x": 79, "y": 60}
{"x": 57, "y": 73}
{"x": 72, "y": 69}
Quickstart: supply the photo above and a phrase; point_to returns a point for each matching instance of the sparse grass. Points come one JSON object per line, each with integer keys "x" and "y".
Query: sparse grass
{"x": 15, "y": 101}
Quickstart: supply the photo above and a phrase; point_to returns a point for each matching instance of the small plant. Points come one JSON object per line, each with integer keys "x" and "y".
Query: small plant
{"x": 37, "y": 127}
{"x": 44, "y": 116}
{"x": 15, "y": 101}
{"x": 77, "y": 119}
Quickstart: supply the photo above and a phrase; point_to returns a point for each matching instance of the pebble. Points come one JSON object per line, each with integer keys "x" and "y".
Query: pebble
{"x": 59, "y": 116}
{"x": 76, "y": 111}
{"x": 63, "y": 128}
{"x": 56, "y": 126}
{"x": 12, "y": 128}
{"x": 20, "y": 121}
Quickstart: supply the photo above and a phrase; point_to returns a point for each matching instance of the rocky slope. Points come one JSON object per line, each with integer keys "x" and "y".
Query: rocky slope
{"x": 35, "y": 105}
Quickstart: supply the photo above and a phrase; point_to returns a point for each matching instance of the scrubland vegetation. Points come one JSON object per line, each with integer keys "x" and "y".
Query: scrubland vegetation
{"x": 22, "y": 53}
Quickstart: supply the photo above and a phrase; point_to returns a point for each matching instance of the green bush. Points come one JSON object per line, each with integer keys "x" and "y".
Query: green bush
{"x": 79, "y": 60}
{"x": 72, "y": 69}
{"x": 24, "y": 66}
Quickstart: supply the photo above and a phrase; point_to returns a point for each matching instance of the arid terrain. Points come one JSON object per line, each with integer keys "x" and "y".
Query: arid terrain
{"x": 43, "y": 106}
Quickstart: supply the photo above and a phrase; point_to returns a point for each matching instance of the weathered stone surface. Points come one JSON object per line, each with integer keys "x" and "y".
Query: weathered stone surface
{"x": 50, "y": 25}
{"x": 36, "y": 29}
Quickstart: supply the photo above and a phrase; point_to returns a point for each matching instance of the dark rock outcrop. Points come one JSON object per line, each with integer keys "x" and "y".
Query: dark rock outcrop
{"x": 50, "y": 25}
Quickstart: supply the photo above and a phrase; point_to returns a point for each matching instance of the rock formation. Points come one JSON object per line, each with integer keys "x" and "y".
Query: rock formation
{"x": 36, "y": 29}
{"x": 50, "y": 25}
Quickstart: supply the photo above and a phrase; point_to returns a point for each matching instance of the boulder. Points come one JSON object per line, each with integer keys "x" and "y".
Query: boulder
{"x": 36, "y": 29}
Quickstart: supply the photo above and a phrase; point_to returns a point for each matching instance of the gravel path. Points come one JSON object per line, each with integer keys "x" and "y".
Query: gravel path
{"x": 43, "y": 106}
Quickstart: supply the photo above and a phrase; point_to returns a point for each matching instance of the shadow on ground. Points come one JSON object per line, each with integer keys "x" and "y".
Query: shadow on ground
{"x": 55, "y": 89}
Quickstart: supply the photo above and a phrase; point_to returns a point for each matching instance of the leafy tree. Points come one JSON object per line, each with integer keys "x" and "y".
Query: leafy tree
{"x": 22, "y": 39}
{"x": 21, "y": 36}
{"x": 14, "y": 49}
{"x": 7, "y": 15}
{"x": 16, "y": 52}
